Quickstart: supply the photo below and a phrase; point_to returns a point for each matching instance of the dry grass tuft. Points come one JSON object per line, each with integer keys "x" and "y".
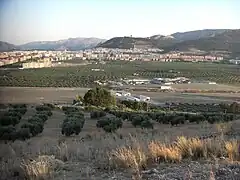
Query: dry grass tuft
{"x": 162, "y": 152}
{"x": 130, "y": 157}
{"x": 192, "y": 147}
{"x": 224, "y": 127}
{"x": 41, "y": 168}
{"x": 232, "y": 150}
{"x": 63, "y": 151}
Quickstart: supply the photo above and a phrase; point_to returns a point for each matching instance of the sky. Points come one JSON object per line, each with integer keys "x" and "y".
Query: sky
{"x": 23, "y": 21}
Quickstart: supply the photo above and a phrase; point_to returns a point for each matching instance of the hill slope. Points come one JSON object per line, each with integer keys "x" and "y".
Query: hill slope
{"x": 127, "y": 43}
{"x": 160, "y": 41}
{"x": 227, "y": 41}
{"x": 68, "y": 44}
{"x": 4, "y": 46}
{"x": 198, "y": 34}
{"x": 157, "y": 41}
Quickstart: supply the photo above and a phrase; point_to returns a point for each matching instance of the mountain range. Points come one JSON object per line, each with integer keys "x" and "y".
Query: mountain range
{"x": 205, "y": 40}
{"x": 72, "y": 44}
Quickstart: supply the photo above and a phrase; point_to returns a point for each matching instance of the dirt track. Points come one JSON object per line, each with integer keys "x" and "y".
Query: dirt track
{"x": 31, "y": 95}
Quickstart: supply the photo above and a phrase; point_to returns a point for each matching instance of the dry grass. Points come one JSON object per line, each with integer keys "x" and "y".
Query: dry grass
{"x": 63, "y": 151}
{"x": 184, "y": 148}
{"x": 41, "y": 168}
{"x": 192, "y": 147}
{"x": 232, "y": 150}
{"x": 130, "y": 157}
{"x": 162, "y": 152}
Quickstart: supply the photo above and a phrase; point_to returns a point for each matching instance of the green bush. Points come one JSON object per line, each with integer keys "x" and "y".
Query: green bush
{"x": 69, "y": 110}
{"x": 8, "y": 133}
{"x": 15, "y": 106}
{"x": 109, "y": 124}
{"x": 43, "y": 108}
{"x": 51, "y": 106}
{"x": 42, "y": 116}
{"x": 146, "y": 124}
{"x": 97, "y": 114}
{"x": 6, "y": 129}
{"x": 99, "y": 97}
{"x": 9, "y": 120}
{"x": 21, "y": 110}
{"x": 138, "y": 119}
{"x": 23, "y": 134}
{"x": 78, "y": 115}
{"x": 34, "y": 127}
{"x": 72, "y": 125}
{"x": 12, "y": 112}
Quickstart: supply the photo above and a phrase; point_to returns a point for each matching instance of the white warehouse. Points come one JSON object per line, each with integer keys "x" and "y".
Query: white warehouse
{"x": 166, "y": 87}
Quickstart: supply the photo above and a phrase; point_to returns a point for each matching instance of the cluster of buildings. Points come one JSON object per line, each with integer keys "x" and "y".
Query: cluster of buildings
{"x": 164, "y": 83}
{"x": 34, "y": 59}
{"x": 144, "y": 55}
{"x": 37, "y": 59}
{"x": 129, "y": 97}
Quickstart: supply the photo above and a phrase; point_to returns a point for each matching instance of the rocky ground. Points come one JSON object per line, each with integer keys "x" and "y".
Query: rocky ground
{"x": 192, "y": 170}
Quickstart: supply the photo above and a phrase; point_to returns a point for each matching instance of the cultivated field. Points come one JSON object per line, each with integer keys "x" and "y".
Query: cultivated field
{"x": 87, "y": 156}
{"x": 83, "y": 76}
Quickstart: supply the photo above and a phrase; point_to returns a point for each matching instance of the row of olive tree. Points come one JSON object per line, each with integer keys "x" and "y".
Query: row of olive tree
{"x": 13, "y": 115}
{"x": 33, "y": 127}
{"x": 74, "y": 121}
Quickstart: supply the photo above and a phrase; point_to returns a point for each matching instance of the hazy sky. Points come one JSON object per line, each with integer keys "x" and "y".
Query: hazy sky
{"x": 23, "y": 21}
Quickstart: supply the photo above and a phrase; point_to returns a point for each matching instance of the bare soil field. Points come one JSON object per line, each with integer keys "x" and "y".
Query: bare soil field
{"x": 205, "y": 86}
{"x": 85, "y": 157}
{"x": 32, "y": 95}
{"x": 192, "y": 86}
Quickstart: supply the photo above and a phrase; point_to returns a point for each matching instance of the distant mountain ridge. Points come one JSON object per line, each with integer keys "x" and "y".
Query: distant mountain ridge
{"x": 72, "y": 44}
{"x": 198, "y": 34}
{"x": 4, "y": 46}
{"x": 205, "y": 40}
{"x": 229, "y": 41}
{"x": 161, "y": 41}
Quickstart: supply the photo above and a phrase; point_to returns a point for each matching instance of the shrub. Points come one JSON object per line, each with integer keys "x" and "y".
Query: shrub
{"x": 10, "y": 134}
{"x": 97, "y": 114}
{"x": 43, "y": 108}
{"x": 23, "y": 133}
{"x": 12, "y": 112}
{"x": 35, "y": 119}
{"x": 51, "y": 106}
{"x": 68, "y": 110}
{"x": 15, "y": 106}
{"x": 9, "y": 120}
{"x": 99, "y": 97}
{"x": 137, "y": 120}
{"x": 146, "y": 124}
{"x": 21, "y": 110}
{"x": 35, "y": 128}
{"x": 177, "y": 120}
{"x": 109, "y": 124}
{"x": 6, "y": 130}
{"x": 102, "y": 122}
{"x": 72, "y": 125}
{"x": 77, "y": 115}
{"x": 42, "y": 116}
